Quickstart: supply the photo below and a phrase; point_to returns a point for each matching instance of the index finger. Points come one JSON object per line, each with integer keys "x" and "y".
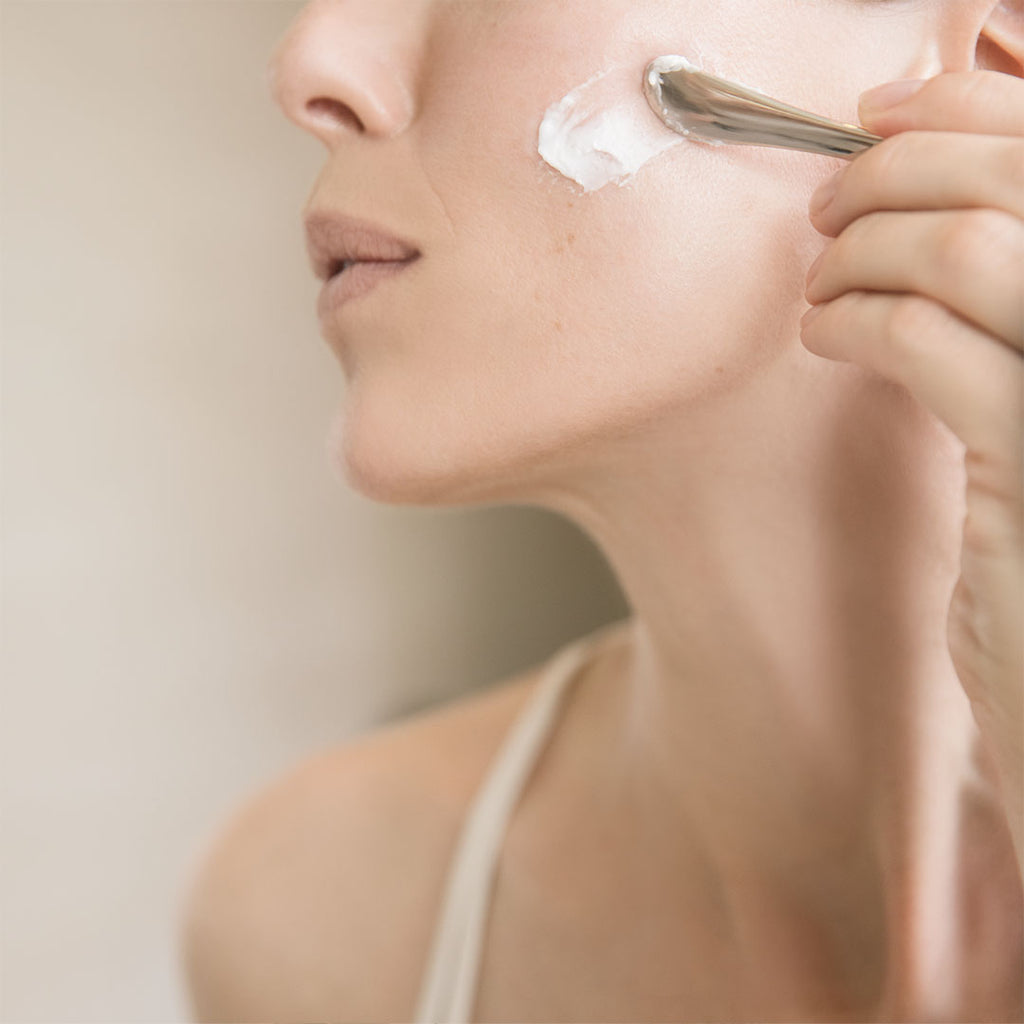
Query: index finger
{"x": 928, "y": 171}
{"x": 984, "y": 102}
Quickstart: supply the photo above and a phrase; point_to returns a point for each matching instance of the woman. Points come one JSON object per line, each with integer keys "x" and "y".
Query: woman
{"x": 789, "y": 787}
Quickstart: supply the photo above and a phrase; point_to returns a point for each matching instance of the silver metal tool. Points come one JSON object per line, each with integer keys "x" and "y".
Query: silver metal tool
{"x": 703, "y": 106}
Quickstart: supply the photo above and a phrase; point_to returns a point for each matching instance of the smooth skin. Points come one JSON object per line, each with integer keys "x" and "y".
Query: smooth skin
{"x": 793, "y": 791}
{"x": 924, "y": 285}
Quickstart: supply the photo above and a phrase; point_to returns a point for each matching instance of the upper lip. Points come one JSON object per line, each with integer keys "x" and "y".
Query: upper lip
{"x": 334, "y": 239}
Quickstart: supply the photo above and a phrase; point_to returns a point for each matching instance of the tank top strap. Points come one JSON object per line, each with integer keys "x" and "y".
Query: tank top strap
{"x": 453, "y": 965}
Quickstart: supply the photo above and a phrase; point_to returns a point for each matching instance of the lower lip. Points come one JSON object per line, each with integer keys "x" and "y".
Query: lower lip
{"x": 360, "y": 279}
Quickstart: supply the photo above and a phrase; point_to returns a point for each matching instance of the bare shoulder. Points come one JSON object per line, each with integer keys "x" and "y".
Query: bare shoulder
{"x": 317, "y": 899}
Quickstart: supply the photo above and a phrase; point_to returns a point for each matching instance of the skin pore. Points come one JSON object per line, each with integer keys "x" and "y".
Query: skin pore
{"x": 786, "y": 528}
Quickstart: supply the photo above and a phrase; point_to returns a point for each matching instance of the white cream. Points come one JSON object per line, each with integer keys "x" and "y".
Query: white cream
{"x": 603, "y": 131}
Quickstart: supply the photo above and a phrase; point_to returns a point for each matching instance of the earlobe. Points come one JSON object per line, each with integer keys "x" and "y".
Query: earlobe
{"x": 1001, "y": 43}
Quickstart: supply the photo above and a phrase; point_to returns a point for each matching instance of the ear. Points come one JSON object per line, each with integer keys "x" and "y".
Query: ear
{"x": 976, "y": 35}
{"x": 1001, "y": 42}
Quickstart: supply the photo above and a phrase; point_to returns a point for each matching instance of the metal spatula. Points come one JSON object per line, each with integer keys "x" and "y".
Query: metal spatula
{"x": 703, "y": 106}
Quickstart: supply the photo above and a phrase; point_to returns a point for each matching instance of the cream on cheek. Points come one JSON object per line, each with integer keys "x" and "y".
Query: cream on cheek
{"x": 603, "y": 131}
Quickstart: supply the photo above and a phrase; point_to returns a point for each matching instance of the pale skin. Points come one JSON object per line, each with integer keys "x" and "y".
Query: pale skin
{"x": 925, "y": 286}
{"x": 820, "y": 699}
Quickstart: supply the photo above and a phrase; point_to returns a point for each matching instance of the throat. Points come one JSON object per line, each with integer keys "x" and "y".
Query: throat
{"x": 896, "y": 901}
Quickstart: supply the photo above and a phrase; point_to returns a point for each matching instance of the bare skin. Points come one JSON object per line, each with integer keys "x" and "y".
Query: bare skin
{"x": 785, "y": 757}
{"x": 601, "y": 911}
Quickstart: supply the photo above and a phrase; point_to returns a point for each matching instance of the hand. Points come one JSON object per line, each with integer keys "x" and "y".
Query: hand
{"x": 924, "y": 284}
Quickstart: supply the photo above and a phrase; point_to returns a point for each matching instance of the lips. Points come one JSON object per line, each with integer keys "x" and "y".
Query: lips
{"x": 352, "y": 256}
{"x": 357, "y": 280}
{"x": 334, "y": 240}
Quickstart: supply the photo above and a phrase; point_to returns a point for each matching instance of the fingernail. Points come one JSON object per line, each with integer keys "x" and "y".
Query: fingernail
{"x": 826, "y": 192}
{"x": 813, "y": 313}
{"x": 815, "y": 267}
{"x": 874, "y": 101}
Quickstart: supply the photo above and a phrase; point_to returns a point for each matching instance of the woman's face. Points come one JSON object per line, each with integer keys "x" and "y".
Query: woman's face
{"x": 544, "y": 325}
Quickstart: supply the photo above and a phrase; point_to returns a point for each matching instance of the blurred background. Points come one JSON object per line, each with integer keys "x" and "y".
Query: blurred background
{"x": 192, "y": 601}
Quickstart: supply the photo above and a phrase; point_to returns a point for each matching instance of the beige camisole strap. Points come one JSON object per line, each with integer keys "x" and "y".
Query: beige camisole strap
{"x": 450, "y": 982}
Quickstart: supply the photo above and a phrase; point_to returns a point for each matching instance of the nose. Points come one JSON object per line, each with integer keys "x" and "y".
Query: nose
{"x": 348, "y": 67}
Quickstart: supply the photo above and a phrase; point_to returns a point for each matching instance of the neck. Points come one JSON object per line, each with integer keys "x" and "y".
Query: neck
{"x": 789, "y": 553}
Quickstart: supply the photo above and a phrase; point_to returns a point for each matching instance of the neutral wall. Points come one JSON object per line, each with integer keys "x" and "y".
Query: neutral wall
{"x": 192, "y": 601}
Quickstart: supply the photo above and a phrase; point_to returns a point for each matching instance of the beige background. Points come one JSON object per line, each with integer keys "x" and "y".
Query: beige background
{"x": 192, "y": 601}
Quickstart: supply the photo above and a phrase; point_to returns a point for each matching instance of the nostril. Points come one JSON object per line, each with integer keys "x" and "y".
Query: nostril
{"x": 337, "y": 114}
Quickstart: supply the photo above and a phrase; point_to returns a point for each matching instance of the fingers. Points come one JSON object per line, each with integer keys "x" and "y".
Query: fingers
{"x": 915, "y": 171}
{"x": 982, "y": 102}
{"x": 971, "y": 261}
{"x": 970, "y": 381}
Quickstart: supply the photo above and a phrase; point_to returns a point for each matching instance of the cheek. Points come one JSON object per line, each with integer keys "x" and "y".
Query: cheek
{"x": 688, "y": 273}
{"x": 529, "y": 251}
{"x": 650, "y": 293}
{"x": 576, "y": 319}
{"x": 704, "y": 251}
{"x": 597, "y": 310}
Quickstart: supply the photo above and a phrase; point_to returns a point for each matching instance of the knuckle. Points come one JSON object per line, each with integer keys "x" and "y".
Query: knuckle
{"x": 974, "y": 90}
{"x": 909, "y": 321}
{"x": 960, "y": 95}
{"x": 856, "y": 307}
{"x": 963, "y": 93}
{"x": 972, "y": 240}
{"x": 858, "y": 234}
{"x": 899, "y": 155}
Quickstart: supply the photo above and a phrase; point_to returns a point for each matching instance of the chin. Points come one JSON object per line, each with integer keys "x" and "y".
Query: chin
{"x": 396, "y": 460}
{"x": 401, "y": 465}
{"x": 380, "y": 468}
